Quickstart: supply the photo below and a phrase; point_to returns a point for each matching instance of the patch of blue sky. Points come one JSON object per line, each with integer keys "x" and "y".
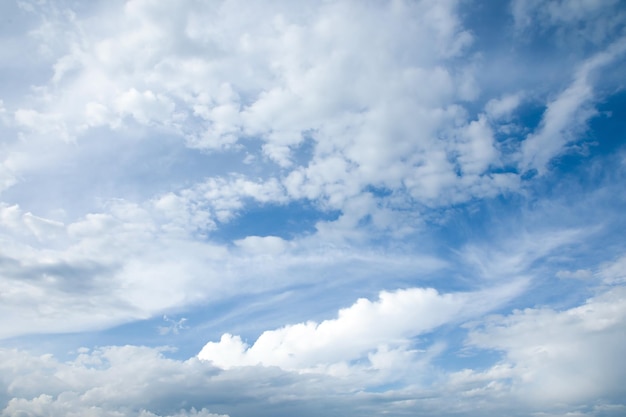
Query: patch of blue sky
{"x": 287, "y": 221}
{"x": 21, "y": 61}
{"x": 456, "y": 355}
{"x": 378, "y": 192}
{"x": 182, "y": 344}
{"x": 178, "y": 332}
{"x": 524, "y": 120}
{"x": 386, "y": 387}
{"x": 473, "y": 221}
{"x": 593, "y": 161}
{"x": 608, "y": 129}
{"x": 303, "y": 153}
{"x": 489, "y": 22}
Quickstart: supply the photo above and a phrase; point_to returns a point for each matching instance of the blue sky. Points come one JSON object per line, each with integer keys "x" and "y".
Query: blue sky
{"x": 334, "y": 208}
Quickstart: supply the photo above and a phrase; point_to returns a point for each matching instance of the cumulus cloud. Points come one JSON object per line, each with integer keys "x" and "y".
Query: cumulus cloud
{"x": 278, "y": 79}
{"x": 111, "y": 381}
{"x": 366, "y": 327}
{"x": 130, "y": 380}
{"x": 544, "y": 350}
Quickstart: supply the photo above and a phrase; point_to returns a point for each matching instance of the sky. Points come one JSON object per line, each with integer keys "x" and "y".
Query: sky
{"x": 334, "y": 207}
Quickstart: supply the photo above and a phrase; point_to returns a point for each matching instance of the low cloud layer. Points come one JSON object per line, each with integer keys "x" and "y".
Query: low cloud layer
{"x": 541, "y": 352}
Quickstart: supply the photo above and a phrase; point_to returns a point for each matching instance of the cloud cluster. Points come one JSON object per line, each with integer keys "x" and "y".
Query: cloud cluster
{"x": 576, "y": 22}
{"x": 109, "y": 382}
{"x": 369, "y": 132}
{"x": 556, "y": 356}
{"x": 551, "y": 361}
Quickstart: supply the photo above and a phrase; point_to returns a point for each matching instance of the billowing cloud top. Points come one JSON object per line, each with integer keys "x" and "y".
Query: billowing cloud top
{"x": 312, "y": 208}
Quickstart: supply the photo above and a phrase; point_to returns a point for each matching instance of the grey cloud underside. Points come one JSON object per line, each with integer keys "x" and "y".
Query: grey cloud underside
{"x": 60, "y": 275}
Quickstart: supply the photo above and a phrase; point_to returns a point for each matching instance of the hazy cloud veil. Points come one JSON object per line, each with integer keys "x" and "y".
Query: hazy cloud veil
{"x": 343, "y": 208}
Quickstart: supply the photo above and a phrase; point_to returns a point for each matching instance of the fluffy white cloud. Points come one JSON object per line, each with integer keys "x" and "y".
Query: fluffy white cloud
{"x": 130, "y": 380}
{"x": 111, "y": 382}
{"x": 376, "y": 329}
{"x": 552, "y": 357}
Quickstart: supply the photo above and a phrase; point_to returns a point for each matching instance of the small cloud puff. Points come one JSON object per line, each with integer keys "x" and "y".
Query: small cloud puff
{"x": 259, "y": 245}
{"x": 578, "y": 274}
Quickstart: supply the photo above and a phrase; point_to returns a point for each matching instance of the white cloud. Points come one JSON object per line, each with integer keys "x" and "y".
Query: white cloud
{"x": 378, "y": 328}
{"x": 145, "y": 106}
{"x": 173, "y": 326}
{"x": 216, "y": 200}
{"x": 613, "y": 273}
{"x": 270, "y": 245}
{"x": 577, "y": 21}
{"x": 568, "y": 114}
{"x": 578, "y": 274}
{"x": 501, "y": 108}
{"x": 551, "y": 357}
{"x": 109, "y": 382}
{"x": 66, "y": 404}
{"x": 476, "y": 148}
{"x": 130, "y": 380}
{"x": 515, "y": 256}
